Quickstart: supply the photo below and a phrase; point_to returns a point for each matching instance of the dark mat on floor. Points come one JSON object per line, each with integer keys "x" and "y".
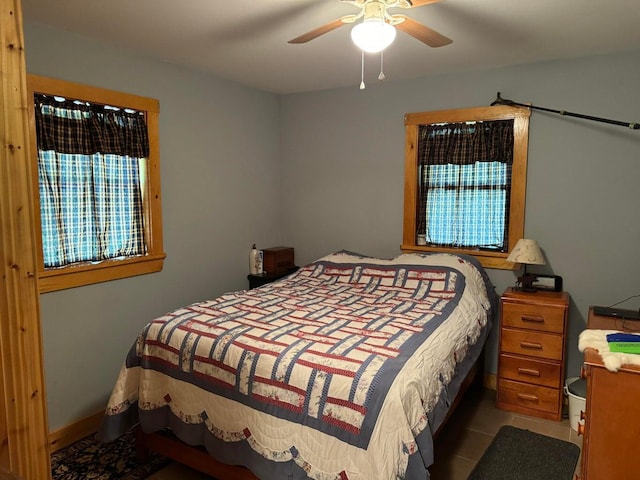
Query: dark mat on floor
{"x": 517, "y": 454}
{"x": 91, "y": 459}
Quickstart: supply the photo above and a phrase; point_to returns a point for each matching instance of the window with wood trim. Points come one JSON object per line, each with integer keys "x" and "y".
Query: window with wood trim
{"x": 465, "y": 182}
{"x": 96, "y": 178}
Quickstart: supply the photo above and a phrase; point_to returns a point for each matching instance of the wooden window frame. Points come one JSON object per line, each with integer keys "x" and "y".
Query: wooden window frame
{"x": 413, "y": 121}
{"x": 85, "y": 274}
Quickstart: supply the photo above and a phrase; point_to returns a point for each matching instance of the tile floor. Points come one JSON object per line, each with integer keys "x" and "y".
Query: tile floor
{"x": 462, "y": 442}
{"x": 473, "y": 426}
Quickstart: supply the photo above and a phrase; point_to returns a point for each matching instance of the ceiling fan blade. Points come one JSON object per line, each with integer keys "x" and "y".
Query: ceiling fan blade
{"x": 422, "y": 32}
{"x": 421, "y": 3}
{"x": 305, "y": 37}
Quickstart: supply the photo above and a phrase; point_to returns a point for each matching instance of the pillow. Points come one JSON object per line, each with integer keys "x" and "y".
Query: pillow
{"x": 345, "y": 256}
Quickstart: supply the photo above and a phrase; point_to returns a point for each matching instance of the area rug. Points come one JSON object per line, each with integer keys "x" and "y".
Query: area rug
{"x": 517, "y": 454}
{"x": 91, "y": 459}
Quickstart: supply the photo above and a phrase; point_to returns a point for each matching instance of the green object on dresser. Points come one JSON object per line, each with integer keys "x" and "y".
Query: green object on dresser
{"x": 624, "y": 342}
{"x": 624, "y": 347}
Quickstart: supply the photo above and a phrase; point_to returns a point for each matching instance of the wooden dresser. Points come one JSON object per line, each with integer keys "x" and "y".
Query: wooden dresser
{"x": 612, "y": 417}
{"x": 532, "y": 352}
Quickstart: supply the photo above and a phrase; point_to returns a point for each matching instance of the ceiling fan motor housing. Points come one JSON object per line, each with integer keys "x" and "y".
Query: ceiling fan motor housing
{"x": 374, "y": 11}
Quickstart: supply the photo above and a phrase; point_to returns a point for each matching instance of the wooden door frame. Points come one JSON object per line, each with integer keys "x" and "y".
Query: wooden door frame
{"x": 24, "y": 442}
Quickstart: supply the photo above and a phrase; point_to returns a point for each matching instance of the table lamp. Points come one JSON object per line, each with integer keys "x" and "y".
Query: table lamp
{"x": 526, "y": 252}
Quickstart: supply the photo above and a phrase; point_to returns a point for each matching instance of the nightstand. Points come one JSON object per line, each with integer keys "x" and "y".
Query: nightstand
{"x": 532, "y": 352}
{"x": 264, "y": 278}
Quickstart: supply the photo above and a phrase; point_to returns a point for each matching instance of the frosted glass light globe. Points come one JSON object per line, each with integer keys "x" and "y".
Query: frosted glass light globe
{"x": 373, "y": 36}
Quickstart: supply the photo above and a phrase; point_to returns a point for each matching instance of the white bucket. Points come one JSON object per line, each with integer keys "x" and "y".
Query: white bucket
{"x": 577, "y": 404}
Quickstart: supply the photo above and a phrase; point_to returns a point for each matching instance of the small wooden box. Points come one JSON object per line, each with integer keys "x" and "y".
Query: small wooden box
{"x": 277, "y": 260}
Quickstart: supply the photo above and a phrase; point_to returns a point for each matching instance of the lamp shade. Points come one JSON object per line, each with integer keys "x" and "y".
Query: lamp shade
{"x": 373, "y": 35}
{"x": 526, "y": 251}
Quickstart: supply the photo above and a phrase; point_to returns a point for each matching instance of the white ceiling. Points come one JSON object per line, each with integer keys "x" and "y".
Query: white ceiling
{"x": 246, "y": 40}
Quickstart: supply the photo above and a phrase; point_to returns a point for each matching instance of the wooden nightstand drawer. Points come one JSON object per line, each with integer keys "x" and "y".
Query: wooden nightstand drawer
{"x": 533, "y": 344}
{"x": 537, "y": 372}
{"x": 546, "y": 318}
{"x": 528, "y": 396}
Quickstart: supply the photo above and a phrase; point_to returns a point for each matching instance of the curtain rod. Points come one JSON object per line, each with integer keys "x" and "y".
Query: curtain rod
{"x": 503, "y": 101}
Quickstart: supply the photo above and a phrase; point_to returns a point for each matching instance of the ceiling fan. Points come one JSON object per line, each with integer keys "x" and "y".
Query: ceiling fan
{"x": 377, "y": 10}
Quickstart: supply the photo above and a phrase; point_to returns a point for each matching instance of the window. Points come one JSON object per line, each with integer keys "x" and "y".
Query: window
{"x": 96, "y": 165}
{"x": 465, "y": 182}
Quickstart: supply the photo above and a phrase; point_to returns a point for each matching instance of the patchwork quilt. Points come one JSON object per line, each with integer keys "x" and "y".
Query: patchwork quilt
{"x": 335, "y": 367}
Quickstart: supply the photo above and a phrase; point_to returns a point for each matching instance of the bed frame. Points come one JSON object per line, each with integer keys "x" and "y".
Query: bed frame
{"x": 198, "y": 459}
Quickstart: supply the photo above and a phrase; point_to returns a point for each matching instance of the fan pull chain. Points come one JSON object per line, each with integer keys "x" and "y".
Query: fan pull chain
{"x": 362, "y": 87}
{"x": 381, "y": 77}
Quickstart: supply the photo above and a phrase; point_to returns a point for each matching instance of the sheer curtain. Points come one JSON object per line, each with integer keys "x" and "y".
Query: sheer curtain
{"x": 89, "y": 180}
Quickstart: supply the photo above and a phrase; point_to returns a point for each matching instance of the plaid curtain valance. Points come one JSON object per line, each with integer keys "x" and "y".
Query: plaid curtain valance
{"x": 68, "y": 126}
{"x": 466, "y": 143}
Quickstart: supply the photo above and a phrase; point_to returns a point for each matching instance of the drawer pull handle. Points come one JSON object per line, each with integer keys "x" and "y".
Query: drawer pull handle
{"x": 532, "y": 319}
{"x": 526, "y": 396}
{"x": 531, "y": 345}
{"x": 529, "y": 371}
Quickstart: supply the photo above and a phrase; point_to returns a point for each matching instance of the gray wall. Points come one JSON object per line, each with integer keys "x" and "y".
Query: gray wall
{"x": 220, "y": 167}
{"x": 322, "y": 172}
{"x": 342, "y": 171}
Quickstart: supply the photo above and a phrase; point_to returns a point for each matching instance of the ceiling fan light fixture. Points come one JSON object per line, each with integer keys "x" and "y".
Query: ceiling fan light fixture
{"x": 373, "y": 35}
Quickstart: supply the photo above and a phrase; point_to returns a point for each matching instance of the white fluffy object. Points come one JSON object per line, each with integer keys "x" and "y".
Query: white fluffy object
{"x": 597, "y": 339}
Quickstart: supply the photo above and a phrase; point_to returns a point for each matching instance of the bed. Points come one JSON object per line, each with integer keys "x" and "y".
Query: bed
{"x": 343, "y": 370}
